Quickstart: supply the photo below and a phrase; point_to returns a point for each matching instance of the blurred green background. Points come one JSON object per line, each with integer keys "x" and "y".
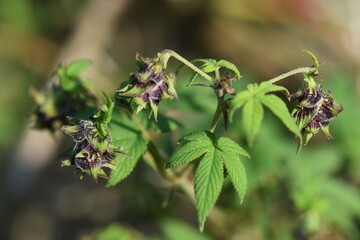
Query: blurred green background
{"x": 311, "y": 195}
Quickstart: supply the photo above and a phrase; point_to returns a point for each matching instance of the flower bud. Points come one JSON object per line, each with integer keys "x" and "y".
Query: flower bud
{"x": 92, "y": 151}
{"x": 314, "y": 109}
{"x": 150, "y": 84}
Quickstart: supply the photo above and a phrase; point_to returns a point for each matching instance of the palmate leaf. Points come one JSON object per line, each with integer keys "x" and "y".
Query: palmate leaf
{"x": 127, "y": 135}
{"x": 252, "y": 101}
{"x": 209, "y": 175}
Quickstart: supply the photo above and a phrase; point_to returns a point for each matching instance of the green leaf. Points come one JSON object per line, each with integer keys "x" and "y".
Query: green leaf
{"x": 209, "y": 178}
{"x": 229, "y": 146}
{"x": 209, "y": 175}
{"x": 252, "y": 117}
{"x": 209, "y": 65}
{"x": 238, "y": 101}
{"x": 314, "y": 58}
{"x": 77, "y": 67}
{"x": 176, "y": 230}
{"x": 112, "y": 232}
{"x": 127, "y": 135}
{"x": 278, "y": 107}
{"x": 194, "y": 146}
{"x": 231, "y": 156}
{"x": 230, "y": 66}
{"x": 237, "y": 173}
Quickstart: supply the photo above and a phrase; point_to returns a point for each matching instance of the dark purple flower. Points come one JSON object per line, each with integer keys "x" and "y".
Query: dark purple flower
{"x": 150, "y": 84}
{"x": 92, "y": 152}
{"x": 314, "y": 109}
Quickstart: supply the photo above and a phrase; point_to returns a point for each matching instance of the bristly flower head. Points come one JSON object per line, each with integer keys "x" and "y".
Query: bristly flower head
{"x": 150, "y": 84}
{"x": 93, "y": 148}
{"x": 314, "y": 109}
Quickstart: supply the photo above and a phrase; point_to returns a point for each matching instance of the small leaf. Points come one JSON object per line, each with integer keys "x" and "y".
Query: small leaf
{"x": 77, "y": 67}
{"x": 209, "y": 178}
{"x": 314, "y": 58}
{"x": 230, "y": 66}
{"x": 278, "y": 107}
{"x": 252, "y": 117}
{"x": 209, "y": 66}
{"x": 238, "y": 101}
{"x": 237, "y": 173}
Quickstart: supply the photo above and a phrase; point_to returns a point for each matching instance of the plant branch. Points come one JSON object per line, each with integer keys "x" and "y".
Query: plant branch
{"x": 217, "y": 115}
{"x": 175, "y": 55}
{"x": 292, "y": 72}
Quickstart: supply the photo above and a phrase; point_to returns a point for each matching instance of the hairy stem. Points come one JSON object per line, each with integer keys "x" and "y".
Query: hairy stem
{"x": 175, "y": 55}
{"x": 292, "y": 72}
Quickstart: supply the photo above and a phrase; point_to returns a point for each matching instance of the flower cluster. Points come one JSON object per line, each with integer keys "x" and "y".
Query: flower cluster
{"x": 150, "y": 84}
{"x": 92, "y": 152}
{"x": 93, "y": 148}
{"x": 315, "y": 109}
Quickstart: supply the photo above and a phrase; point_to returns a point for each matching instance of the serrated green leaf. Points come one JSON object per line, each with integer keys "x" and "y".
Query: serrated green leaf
{"x": 209, "y": 66}
{"x": 238, "y": 101}
{"x": 229, "y": 146}
{"x": 77, "y": 67}
{"x": 230, "y": 66}
{"x": 278, "y": 107}
{"x": 252, "y": 117}
{"x": 209, "y": 175}
{"x": 267, "y": 87}
{"x": 188, "y": 153}
{"x": 198, "y": 136}
{"x": 194, "y": 146}
{"x": 236, "y": 171}
{"x": 209, "y": 178}
{"x": 126, "y": 135}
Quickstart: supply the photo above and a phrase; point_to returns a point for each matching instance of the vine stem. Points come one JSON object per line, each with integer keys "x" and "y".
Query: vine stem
{"x": 217, "y": 115}
{"x": 175, "y": 55}
{"x": 292, "y": 72}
